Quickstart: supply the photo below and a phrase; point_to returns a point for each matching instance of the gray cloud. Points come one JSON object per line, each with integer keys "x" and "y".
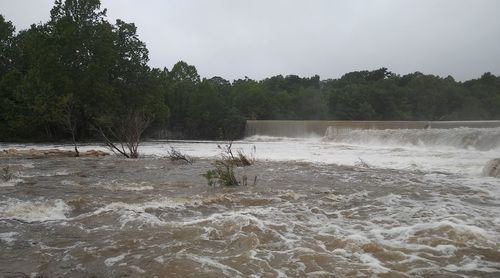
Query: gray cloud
{"x": 259, "y": 38}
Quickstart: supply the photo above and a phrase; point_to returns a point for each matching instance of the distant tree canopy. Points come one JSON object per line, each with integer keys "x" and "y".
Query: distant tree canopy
{"x": 78, "y": 74}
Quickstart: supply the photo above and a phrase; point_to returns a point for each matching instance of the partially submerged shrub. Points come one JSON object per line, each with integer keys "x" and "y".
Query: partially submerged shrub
{"x": 6, "y": 174}
{"x": 175, "y": 155}
{"x": 223, "y": 173}
{"x": 240, "y": 159}
{"x": 122, "y": 134}
{"x": 361, "y": 163}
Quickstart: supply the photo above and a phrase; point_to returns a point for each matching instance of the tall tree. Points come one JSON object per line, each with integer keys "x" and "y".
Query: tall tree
{"x": 184, "y": 79}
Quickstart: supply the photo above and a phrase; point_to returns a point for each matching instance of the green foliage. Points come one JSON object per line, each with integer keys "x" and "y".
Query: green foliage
{"x": 79, "y": 56}
{"x": 6, "y": 36}
{"x": 81, "y": 73}
{"x": 240, "y": 159}
{"x": 416, "y": 96}
{"x": 222, "y": 174}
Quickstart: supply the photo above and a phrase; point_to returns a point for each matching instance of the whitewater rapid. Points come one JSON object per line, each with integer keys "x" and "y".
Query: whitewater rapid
{"x": 352, "y": 203}
{"x": 458, "y": 150}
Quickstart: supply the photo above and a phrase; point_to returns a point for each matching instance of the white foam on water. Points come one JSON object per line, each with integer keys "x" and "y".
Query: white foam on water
{"x": 463, "y": 151}
{"x": 468, "y": 162}
{"x": 131, "y": 187}
{"x": 164, "y": 202}
{"x": 242, "y": 216}
{"x": 207, "y": 262}
{"x": 450, "y": 224}
{"x": 425, "y": 231}
{"x": 319, "y": 274}
{"x": 113, "y": 260}
{"x": 63, "y": 172}
{"x": 10, "y": 183}
{"x": 34, "y": 211}
{"x": 68, "y": 183}
{"x": 266, "y": 138}
{"x": 457, "y": 138}
{"x": 488, "y": 185}
{"x": 159, "y": 259}
{"x": 375, "y": 265}
{"x": 8, "y": 237}
{"x": 401, "y": 234}
{"x": 28, "y": 165}
{"x": 474, "y": 264}
{"x": 119, "y": 185}
{"x": 137, "y": 269}
{"x": 137, "y": 212}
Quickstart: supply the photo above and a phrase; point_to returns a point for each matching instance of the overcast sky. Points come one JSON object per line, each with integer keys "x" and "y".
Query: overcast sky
{"x": 261, "y": 38}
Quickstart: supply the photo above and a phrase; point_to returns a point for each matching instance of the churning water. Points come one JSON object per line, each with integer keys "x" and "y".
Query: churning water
{"x": 351, "y": 203}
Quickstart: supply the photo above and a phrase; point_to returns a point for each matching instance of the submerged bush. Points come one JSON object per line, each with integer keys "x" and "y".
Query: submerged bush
{"x": 240, "y": 159}
{"x": 175, "y": 155}
{"x": 361, "y": 163}
{"x": 223, "y": 173}
{"x": 6, "y": 175}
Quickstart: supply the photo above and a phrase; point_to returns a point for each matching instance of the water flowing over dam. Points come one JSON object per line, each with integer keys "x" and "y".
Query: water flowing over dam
{"x": 304, "y": 129}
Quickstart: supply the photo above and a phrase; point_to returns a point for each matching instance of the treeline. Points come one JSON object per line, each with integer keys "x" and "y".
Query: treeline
{"x": 79, "y": 76}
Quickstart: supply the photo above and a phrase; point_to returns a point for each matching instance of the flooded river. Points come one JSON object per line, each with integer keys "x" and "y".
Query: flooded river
{"x": 362, "y": 203}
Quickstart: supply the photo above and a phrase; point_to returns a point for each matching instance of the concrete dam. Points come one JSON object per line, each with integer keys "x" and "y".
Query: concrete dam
{"x": 304, "y": 129}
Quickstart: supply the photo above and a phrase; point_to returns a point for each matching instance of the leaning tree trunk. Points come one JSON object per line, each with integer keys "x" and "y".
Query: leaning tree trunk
{"x": 77, "y": 153}
{"x": 123, "y": 136}
{"x": 69, "y": 120}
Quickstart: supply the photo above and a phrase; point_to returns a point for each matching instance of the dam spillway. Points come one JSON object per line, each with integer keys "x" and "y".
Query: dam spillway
{"x": 304, "y": 129}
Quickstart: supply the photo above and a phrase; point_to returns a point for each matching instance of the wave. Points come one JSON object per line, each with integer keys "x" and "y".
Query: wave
{"x": 482, "y": 139}
{"x": 267, "y": 138}
{"x": 34, "y": 211}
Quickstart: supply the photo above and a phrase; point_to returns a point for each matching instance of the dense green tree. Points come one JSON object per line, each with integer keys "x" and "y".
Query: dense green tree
{"x": 250, "y": 98}
{"x": 211, "y": 116}
{"x": 78, "y": 72}
{"x": 79, "y": 76}
{"x": 6, "y": 37}
{"x": 183, "y": 79}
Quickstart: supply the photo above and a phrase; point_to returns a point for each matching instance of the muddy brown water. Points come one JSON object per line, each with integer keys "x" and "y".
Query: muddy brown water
{"x": 113, "y": 217}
